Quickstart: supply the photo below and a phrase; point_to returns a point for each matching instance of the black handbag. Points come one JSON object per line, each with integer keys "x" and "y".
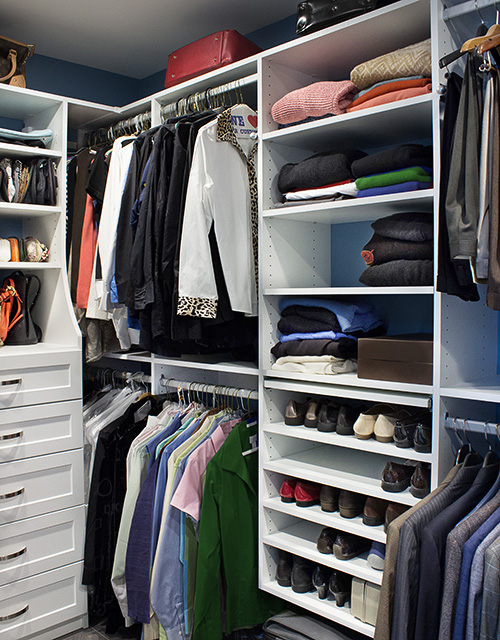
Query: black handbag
{"x": 313, "y": 15}
{"x": 25, "y": 331}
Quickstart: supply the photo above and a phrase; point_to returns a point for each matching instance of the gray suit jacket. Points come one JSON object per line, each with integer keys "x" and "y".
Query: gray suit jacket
{"x": 408, "y": 565}
{"x": 454, "y": 547}
{"x": 490, "y": 617}
{"x": 384, "y": 615}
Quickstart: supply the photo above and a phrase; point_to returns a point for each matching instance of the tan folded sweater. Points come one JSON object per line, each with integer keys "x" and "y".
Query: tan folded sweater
{"x": 414, "y": 60}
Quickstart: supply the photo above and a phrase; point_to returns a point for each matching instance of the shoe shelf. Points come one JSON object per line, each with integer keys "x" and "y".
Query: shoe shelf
{"x": 485, "y": 389}
{"x": 359, "y": 471}
{"x": 282, "y": 392}
{"x": 300, "y": 539}
{"x": 350, "y": 380}
{"x": 326, "y": 519}
{"x": 389, "y": 449}
{"x": 326, "y": 608}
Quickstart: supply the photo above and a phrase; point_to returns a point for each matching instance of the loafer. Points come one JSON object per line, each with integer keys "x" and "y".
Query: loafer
{"x": 422, "y": 437}
{"x": 329, "y": 498}
{"x": 364, "y": 426}
{"x": 340, "y": 587}
{"x": 348, "y": 546}
{"x": 324, "y": 543}
{"x": 346, "y": 419}
{"x": 321, "y": 580}
{"x": 350, "y": 503}
{"x": 376, "y": 556}
{"x": 420, "y": 482}
{"x": 385, "y": 423}
{"x": 393, "y": 511}
{"x": 306, "y": 493}
{"x": 287, "y": 490}
{"x": 327, "y": 417}
{"x": 374, "y": 512}
{"x": 404, "y": 430}
{"x": 295, "y": 413}
{"x": 302, "y": 571}
{"x": 284, "y": 568}
{"x": 311, "y": 416}
{"x": 396, "y": 477}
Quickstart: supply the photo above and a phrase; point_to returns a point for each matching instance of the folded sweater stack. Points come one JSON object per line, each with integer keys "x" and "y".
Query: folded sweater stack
{"x": 400, "y": 252}
{"x": 396, "y": 170}
{"x": 318, "y": 100}
{"x": 320, "y": 336}
{"x": 404, "y": 73}
{"x": 322, "y": 175}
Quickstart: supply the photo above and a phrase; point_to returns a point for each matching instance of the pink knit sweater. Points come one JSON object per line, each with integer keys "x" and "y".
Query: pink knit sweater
{"x": 316, "y": 100}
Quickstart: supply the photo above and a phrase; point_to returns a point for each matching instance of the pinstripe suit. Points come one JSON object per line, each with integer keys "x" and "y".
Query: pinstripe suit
{"x": 386, "y": 602}
{"x": 407, "y": 566}
{"x": 490, "y": 618}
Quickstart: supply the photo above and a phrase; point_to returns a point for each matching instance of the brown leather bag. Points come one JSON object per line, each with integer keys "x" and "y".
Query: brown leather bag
{"x": 13, "y": 56}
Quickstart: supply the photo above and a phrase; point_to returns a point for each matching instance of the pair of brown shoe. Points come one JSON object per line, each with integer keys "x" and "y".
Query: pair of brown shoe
{"x": 398, "y": 477}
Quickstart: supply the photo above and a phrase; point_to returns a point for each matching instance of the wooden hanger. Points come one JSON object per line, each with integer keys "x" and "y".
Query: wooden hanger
{"x": 490, "y": 43}
{"x": 481, "y": 41}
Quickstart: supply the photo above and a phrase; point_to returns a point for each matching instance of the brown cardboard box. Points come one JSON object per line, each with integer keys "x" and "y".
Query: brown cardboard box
{"x": 403, "y": 358}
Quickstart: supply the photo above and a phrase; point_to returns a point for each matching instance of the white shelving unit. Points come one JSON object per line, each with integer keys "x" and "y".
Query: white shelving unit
{"x": 42, "y": 513}
{"x": 313, "y": 250}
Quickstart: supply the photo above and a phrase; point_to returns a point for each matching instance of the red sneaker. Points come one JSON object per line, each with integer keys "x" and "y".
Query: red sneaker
{"x": 287, "y": 491}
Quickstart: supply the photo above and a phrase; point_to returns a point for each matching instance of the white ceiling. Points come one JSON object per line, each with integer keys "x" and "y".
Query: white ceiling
{"x": 131, "y": 37}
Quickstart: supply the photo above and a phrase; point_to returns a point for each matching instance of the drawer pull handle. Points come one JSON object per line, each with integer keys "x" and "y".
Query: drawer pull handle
{"x": 16, "y": 554}
{"x": 14, "y": 615}
{"x": 12, "y": 494}
{"x": 10, "y": 436}
{"x": 5, "y": 383}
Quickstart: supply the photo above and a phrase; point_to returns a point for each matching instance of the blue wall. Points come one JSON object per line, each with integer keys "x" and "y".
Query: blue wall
{"x": 86, "y": 83}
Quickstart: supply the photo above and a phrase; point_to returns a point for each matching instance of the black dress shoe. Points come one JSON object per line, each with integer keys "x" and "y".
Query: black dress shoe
{"x": 346, "y": 419}
{"x": 321, "y": 579}
{"x": 329, "y": 498}
{"x": 421, "y": 480}
{"x": 302, "y": 571}
{"x": 340, "y": 587}
{"x": 284, "y": 568}
{"x": 326, "y": 539}
{"x": 327, "y": 417}
{"x": 350, "y": 503}
{"x": 347, "y": 546}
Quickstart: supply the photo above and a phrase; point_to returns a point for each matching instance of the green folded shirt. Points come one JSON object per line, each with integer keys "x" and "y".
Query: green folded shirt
{"x": 409, "y": 174}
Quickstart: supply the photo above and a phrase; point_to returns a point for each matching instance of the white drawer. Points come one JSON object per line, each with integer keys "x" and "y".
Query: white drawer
{"x": 39, "y": 429}
{"x": 39, "y": 544}
{"x": 40, "y": 485}
{"x": 36, "y": 378}
{"x": 43, "y": 601}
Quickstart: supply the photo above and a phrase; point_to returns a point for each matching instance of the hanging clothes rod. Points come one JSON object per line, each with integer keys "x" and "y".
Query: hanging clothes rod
{"x": 207, "y": 99}
{"x": 212, "y": 389}
{"x": 464, "y": 425}
{"x": 471, "y": 6}
{"x": 130, "y": 126}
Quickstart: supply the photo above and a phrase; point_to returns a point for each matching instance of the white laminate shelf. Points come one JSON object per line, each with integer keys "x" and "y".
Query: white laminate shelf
{"x": 355, "y": 210}
{"x": 368, "y": 395}
{"x": 482, "y": 389}
{"x": 326, "y": 519}
{"x": 30, "y": 266}
{"x": 401, "y": 121}
{"x": 326, "y": 608}
{"x": 300, "y": 539}
{"x": 389, "y": 449}
{"x": 209, "y": 363}
{"x": 349, "y": 291}
{"x": 20, "y": 151}
{"x": 350, "y": 380}
{"x": 19, "y": 210}
{"x": 42, "y": 348}
{"x": 137, "y": 356}
{"x": 360, "y": 471}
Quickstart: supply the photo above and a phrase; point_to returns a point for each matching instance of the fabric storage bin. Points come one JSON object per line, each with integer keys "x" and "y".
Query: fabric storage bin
{"x": 400, "y": 358}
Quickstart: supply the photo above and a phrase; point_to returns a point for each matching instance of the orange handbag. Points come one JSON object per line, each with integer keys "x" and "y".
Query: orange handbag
{"x": 10, "y": 308}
